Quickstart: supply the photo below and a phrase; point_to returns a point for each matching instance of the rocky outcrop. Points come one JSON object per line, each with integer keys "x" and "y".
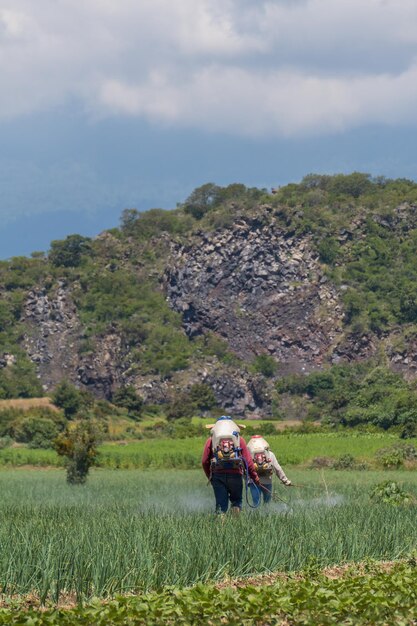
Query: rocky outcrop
{"x": 54, "y": 341}
{"x": 401, "y": 351}
{"x": 101, "y": 370}
{"x": 52, "y": 334}
{"x": 258, "y": 286}
{"x": 354, "y": 347}
{"x": 260, "y": 289}
{"x": 7, "y": 359}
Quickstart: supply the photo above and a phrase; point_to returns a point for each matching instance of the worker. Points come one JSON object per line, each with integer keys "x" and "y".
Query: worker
{"x": 225, "y": 457}
{"x": 266, "y": 465}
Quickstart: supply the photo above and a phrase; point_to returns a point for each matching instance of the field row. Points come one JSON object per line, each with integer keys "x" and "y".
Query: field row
{"x": 371, "y": 594}
{"x": 186, "y": 453}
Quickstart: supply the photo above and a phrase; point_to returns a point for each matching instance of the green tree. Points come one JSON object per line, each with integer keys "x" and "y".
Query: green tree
{"x": 128, "y": 219}
{"x": 202, "y": 395}
{"x": 181, "y": 405}
{"x": 315, "y": 181}
{"x": 355, "y": 184}
{"x": 128, "y": 398}
{"x": 69, "y": 251}
{"x": 78, "y": 444}
{"x": 68, "y": 398}
{"x": 202, "y": 200}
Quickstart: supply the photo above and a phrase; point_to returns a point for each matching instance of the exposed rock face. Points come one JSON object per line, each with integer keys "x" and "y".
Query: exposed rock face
{"x": 255, "y": 285}
{"x": 52, "y": 337}
{"x": 237, "y": 391}
{"x": 262, "y": 291}
{"x": 354, "y": 348}
{"x": 53, "y": 341}
{"x": 101, "y": 370}
{"x": 402, "y": 354}
{"x": 241, "y": 394}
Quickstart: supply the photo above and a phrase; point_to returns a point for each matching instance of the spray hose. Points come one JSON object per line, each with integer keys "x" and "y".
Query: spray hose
{"x": 248, "y": 481}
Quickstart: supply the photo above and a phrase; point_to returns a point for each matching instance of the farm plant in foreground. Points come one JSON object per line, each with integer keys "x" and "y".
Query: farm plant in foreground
{"x": 362, "y": 595}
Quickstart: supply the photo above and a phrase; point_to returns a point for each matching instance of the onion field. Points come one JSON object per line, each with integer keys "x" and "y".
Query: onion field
{"x": 137, "y": 531}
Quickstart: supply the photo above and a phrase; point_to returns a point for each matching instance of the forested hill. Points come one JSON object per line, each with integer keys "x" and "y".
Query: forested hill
{"x": 225, "y": 300}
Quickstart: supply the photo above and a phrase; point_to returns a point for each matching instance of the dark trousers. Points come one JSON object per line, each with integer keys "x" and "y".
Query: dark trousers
{"x": 227, "y": 487}
{"x": 258, "y": 493}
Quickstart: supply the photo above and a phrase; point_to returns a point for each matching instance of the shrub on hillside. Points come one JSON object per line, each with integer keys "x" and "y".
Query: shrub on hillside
{"x": 128, "y": 398}
{"x": 5, "y": 442}
{"x": 265, "y": 364}
{"x": 180, "y": 405}
{"x": 68, "y": 398}
{"x": 19, "y": 380}
{"x": 38, "y": 432}
{"x": 202, "y": 395}
{"x": 409, "y": 425}
{"x": 328, "y": 249}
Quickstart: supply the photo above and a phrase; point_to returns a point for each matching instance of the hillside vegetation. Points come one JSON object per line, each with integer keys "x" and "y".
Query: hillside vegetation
{"x": 362, "y": 233}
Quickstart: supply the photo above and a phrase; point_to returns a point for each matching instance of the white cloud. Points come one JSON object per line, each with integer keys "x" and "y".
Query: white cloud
{"x": 270, "y": 67}
{"x": 229, "y": 99}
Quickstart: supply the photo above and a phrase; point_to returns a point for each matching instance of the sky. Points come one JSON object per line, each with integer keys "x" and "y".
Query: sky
{"x": 114, "y": 104}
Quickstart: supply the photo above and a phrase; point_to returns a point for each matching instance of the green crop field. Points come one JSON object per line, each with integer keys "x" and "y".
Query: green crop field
{"x": 135, "y": 530}
{"x": 369, "y": 594}
{"x": 186, "y": 453}
{"x": 150, "y": 534}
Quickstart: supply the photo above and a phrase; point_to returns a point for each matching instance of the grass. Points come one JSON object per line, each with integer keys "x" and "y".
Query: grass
{"x": 290, "y": 449}
{"x": 142, "y": 530}
{"x": 28, "y": 403}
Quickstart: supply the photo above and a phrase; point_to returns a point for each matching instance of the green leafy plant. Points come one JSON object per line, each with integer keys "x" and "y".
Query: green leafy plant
{"x": 69, "y": 251}
{"x": 391, "y": 492}
{"x": 70, "y": 399}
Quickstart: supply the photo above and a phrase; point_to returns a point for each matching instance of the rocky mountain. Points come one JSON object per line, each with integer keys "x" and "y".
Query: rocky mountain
{"x": 234, "y": 291}
{"x": 260, "y": 289}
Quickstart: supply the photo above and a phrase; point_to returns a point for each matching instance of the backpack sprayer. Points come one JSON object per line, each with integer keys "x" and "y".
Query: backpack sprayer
{"x": 227, "y": 453}
{"x": 259, "y": 450}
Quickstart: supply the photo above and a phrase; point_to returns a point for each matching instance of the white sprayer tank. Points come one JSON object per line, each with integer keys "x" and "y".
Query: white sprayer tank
{"x": 257, "y": 445}
{"x": 225, "y": 429}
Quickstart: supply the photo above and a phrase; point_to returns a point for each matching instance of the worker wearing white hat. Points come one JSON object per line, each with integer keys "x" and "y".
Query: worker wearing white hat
{"x": 266, "y": 465}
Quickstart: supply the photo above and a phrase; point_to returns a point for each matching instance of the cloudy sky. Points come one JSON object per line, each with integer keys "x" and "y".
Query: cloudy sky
{"x": 108, "y": 104}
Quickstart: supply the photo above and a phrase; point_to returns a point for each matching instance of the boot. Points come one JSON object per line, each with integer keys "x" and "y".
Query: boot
{"x": 235, "y": 510}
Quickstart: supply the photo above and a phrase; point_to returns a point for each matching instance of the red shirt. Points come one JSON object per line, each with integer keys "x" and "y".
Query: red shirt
{"x": 208, "y": 455}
